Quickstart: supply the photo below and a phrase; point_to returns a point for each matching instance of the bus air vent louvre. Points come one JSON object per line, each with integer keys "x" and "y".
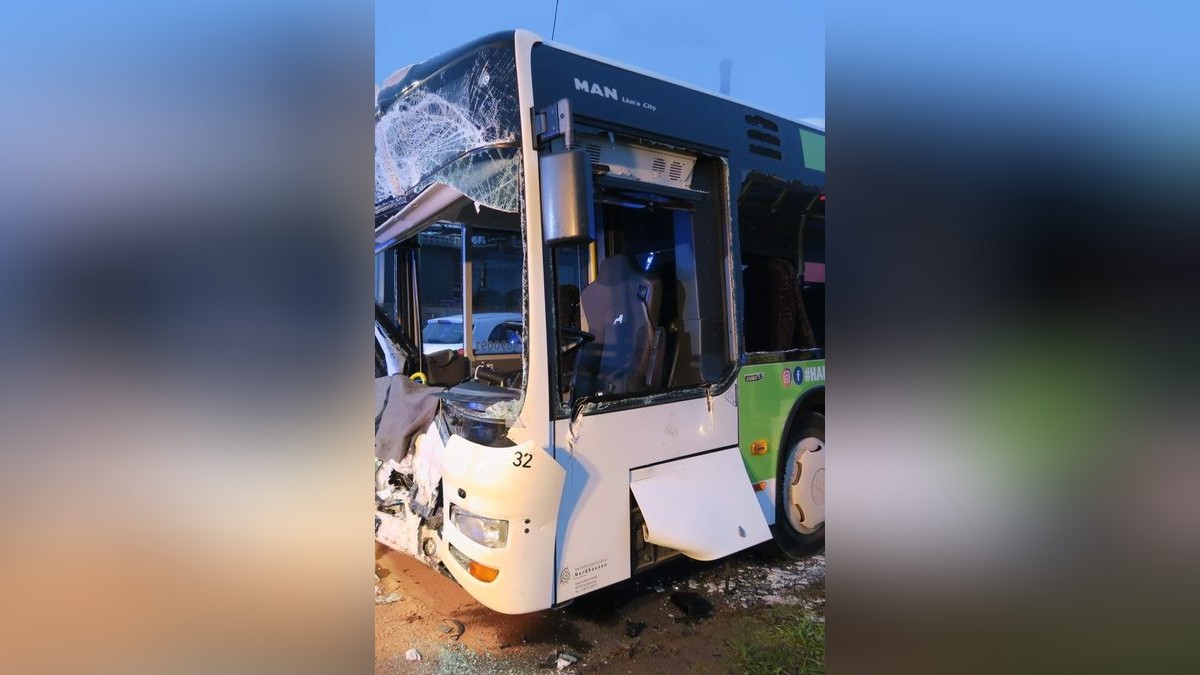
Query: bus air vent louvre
{"x": 639, "y": 162}
{"x": 762, "y": 133}
{"x": 593, "y": 152}
{"x": 762, "y": 123}
{"x": 765, "y": 152}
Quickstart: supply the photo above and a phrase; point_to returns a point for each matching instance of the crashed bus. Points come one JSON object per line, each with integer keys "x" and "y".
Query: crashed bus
{"x": 629, "y": 273}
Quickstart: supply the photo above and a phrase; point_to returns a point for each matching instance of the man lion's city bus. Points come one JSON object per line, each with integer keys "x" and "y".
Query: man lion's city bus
{"x": 630, "y": 275}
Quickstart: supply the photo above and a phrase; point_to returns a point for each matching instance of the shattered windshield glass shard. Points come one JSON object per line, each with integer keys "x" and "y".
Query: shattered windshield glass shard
{"x": 428, "y": 134}
{"x": 489, "y": 177}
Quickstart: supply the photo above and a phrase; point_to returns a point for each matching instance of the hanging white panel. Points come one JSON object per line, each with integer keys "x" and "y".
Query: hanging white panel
{"x": 703, "y": 506}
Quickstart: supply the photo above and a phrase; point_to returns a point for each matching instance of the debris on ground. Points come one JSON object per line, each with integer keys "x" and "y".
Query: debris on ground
{"x": 758, "y": 581}
{"x": 453, "y": 627}
{"x": 676, "y": 617}
{"x": 387, "y": 599}
{"x": 412, "y": 655}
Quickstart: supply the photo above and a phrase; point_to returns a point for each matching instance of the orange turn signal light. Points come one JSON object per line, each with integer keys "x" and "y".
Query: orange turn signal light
{"x": 759, "y": 447}
{"x": 483, "y": 572}
{"x": 478, "y": 570}
{"x": 760, "y": 486}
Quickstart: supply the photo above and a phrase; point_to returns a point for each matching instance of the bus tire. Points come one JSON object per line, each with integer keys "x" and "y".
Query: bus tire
{"x": 800, "y": 493}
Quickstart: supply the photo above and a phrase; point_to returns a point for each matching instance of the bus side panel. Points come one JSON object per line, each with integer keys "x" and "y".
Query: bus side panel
{"x": 593, "y": 548}
{"x": 677, "y": 500}
{"x": 766, "y": 394}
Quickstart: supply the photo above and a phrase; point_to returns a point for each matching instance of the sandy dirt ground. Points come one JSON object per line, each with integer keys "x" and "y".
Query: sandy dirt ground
{"x": 632, "y": 627}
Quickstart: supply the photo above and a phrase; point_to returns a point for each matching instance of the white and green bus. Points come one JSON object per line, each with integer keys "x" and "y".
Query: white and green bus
{"x": 630, "y": 275}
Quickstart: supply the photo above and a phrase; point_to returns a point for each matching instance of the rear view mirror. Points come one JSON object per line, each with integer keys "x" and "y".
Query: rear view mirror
{"x": 566, "y": 198}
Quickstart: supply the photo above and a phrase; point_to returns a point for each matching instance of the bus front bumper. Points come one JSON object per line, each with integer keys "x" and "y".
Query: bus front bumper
{"x": 521, "y": 485}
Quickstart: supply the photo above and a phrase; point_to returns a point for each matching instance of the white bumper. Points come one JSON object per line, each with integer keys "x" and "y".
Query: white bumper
{"x": 523, "y": 485}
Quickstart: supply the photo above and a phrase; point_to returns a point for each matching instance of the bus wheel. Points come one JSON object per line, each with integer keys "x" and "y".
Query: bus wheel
{"x": 800, "y": 501}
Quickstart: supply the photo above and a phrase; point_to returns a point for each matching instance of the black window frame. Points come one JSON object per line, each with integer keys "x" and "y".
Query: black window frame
{"x": 562, "y": 410}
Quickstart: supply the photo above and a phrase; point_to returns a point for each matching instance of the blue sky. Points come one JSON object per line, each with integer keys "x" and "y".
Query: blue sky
{"x": 777, "y": 46}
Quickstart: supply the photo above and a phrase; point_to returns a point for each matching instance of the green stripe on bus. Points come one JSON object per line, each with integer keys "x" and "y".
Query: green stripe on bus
{"x": 766, "y": 393}
{"x": 813, "y": 145}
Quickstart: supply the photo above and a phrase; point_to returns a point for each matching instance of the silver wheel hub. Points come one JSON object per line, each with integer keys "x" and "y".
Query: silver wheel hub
{"x": 804, "y": 485}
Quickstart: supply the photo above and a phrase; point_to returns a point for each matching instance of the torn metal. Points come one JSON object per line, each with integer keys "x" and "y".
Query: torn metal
{"x": 408, "y": 468}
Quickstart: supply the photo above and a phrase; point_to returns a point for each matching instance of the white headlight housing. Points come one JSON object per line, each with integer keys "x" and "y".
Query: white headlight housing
{"x": 489, "y": 532}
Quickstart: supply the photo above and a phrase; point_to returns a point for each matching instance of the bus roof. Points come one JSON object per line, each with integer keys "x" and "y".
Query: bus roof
{"x": 414, "y": 73}
{"x": 678, "y": 83}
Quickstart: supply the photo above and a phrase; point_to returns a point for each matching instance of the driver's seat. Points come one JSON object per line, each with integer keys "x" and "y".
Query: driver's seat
{"x": 621, "y": 309}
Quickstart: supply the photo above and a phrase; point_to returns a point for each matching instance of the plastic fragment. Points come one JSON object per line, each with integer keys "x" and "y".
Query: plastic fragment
{"x": 575, "y": 430}
{"x": 412, "y": 655}
{"x": 509, "y": 411}
{"x": 387, "y": 599}
{"x": 452, "y": 627}
{"x": 383, "y": 475}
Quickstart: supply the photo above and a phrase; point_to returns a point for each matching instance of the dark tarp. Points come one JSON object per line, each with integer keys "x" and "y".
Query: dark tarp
{"x": 403, "y": 409}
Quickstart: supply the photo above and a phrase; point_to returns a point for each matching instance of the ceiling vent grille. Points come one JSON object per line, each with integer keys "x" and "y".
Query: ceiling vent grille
{"x": 639, "y": 162}
{"x": 659, "y": 167}
{"x": 676, "y": 173}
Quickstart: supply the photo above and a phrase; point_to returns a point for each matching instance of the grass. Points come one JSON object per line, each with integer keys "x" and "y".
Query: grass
{"x": 781, "y": 640}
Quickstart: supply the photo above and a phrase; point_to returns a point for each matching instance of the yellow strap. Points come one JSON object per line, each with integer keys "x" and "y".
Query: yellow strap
{"x": 419, "y": 376}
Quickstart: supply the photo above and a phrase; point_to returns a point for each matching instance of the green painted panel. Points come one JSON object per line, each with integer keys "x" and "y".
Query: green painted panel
{"x": 766, "y": 394}
{"x": 813, "y": 145}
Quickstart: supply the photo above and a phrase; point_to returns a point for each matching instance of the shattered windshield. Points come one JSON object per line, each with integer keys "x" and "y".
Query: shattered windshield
{"x": 458, "y": 126}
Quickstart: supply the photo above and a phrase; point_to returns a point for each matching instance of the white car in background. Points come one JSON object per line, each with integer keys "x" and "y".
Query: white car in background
{"x": 491, "y": 328}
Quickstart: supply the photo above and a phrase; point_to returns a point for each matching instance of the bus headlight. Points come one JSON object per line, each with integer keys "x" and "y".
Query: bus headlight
{"x": 489, "y": 532}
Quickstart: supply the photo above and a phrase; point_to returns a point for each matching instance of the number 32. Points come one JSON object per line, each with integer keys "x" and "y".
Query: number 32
{"x": 522, "y": 459}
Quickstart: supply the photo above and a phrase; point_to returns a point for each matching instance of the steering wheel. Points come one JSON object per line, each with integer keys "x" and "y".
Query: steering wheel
{"x": 573, "y": 338}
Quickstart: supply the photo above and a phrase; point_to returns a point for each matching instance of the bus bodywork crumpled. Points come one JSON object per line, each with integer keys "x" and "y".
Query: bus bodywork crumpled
{"x": 663, "y": 390}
